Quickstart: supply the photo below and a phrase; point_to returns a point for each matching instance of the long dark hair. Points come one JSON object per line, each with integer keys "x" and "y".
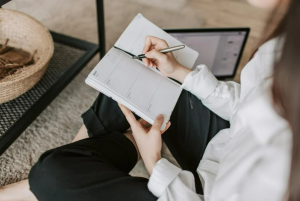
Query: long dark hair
{"x": 286, "y": 86}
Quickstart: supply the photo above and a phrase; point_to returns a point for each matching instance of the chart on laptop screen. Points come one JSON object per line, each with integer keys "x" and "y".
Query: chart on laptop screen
{"x": 219, "y": 51}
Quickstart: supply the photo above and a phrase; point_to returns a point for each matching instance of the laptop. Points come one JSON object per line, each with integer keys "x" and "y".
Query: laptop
{"x": 220, "y": 49}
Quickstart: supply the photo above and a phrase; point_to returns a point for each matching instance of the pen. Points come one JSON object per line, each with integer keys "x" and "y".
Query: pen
{"x": 166, "y": 50}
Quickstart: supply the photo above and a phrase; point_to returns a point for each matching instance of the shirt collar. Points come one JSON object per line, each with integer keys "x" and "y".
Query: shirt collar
{"x": 272, "y": 46}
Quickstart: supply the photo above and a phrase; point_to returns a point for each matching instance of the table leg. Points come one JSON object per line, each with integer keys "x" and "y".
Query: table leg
{"x": 101, "y": 27}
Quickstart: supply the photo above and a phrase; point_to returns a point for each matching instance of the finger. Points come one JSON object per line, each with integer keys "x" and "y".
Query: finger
{"x": 155, "y": 54}
{"x": 167, "y": 126}
{"x": 146, "y": 61}
{"x": 147, "y": 46}
{"x": 135, "y": 125}
{"x": 143, "y": 122}
{"x": 149, "y": 42}
{"x": 152, "y": 48}
{"x": 159, "y": 120}
{"x": 154, "y": 41}
{"x": 154, "y": 63}
{"x": 150, "y": 61}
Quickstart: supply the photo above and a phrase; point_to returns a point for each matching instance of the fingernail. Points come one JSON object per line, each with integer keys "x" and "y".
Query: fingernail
{"x": 160, "y": 116}
{"x": 147, "y": 53}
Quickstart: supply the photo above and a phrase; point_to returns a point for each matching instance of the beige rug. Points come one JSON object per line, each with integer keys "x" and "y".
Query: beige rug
{"x": 60, "y": 121}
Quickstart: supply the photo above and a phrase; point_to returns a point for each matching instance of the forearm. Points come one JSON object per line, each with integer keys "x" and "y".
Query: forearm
{"x": 180, "y": 73}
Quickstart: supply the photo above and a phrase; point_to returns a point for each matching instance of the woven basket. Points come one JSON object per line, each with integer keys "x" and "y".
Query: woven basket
{"x": 28, "y": 34}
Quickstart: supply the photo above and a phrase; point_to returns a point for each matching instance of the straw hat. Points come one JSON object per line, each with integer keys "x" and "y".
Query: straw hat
{"x": 30, "y": 35}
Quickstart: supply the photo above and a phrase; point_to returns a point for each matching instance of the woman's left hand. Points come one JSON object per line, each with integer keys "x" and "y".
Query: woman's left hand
{"x": 148, "y": 139}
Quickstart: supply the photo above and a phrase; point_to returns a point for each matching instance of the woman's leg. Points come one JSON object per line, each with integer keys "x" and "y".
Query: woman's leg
{"x": 90, "y": 169}
{"x": 81, "y": 134}
{"x": 193, "y": 126}
{"x": 103, "y": 108}
{"x": 95, "y": 168}
{"x": 17, "y": 192}
{"x": 20, "y": 190}
{"x": 104, "y": 116}
{"x": 190, "y": 132}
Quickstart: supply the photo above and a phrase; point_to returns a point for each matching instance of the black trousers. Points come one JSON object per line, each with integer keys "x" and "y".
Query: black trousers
{"x": 97, "y": 168}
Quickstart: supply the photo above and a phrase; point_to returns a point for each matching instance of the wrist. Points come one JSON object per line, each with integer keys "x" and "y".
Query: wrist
{"x": 180, "y": 73}
{"x": 151, "y": 163}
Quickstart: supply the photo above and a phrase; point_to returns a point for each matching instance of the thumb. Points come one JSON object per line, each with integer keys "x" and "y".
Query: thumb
{"x": 155, "y": 54}
{"x": 159, "y": 120}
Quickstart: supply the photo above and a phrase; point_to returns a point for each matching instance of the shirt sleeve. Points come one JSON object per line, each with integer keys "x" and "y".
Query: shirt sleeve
{"x": 220, "y": 97}
{"x": 170, "y": 183}
{"x": 260, "y": 183}
{"x": 209, "y": 165}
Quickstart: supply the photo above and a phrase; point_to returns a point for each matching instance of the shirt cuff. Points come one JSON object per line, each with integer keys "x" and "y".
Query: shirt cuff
{"x": 200, "y": 82}
{"x": 163, "y": 174}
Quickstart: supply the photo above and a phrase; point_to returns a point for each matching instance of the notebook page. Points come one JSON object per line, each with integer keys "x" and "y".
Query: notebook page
{"x": 133, "y": 40}
{"x": 142, "y": 87}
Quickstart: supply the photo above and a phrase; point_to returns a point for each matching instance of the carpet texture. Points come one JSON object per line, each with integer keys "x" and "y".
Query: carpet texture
{"x": 60, "y": 121}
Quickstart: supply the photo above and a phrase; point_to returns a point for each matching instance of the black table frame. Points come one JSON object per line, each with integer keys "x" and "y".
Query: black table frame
{"x": 35, "y": 110}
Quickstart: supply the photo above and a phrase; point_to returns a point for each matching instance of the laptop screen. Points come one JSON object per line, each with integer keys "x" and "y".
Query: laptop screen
{"x": 219, "y": 50}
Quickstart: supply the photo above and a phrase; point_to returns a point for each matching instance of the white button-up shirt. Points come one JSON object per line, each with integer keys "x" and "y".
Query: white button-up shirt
{"x": 248, "y": 161}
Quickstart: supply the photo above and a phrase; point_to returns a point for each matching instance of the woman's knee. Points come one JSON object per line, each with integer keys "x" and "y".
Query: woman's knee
{"x": 50, "y": 171}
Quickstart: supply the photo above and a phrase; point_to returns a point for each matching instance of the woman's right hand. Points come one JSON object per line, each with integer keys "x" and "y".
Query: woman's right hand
{"x": 166, "y": 63}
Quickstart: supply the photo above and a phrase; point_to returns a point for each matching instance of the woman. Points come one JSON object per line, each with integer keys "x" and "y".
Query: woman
{"x": 248, "y": 161}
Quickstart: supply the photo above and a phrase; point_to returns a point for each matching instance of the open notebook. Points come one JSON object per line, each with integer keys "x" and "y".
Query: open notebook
{"x": 143, "y": 90}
